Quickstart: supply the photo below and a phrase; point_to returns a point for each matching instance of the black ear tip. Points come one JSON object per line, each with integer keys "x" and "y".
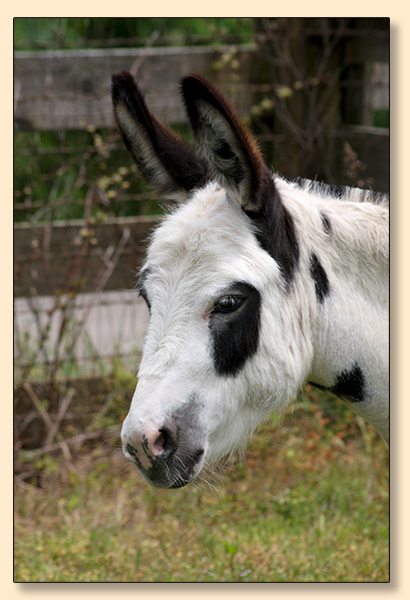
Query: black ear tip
{"x": 122, "y": 76}
{"x": 195, "y": 85}
{"x": 122, "y": 82}
{"x": 190, "y": 78}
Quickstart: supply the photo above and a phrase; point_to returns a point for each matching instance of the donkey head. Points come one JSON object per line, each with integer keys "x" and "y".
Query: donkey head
{"x": 216, "y": 270}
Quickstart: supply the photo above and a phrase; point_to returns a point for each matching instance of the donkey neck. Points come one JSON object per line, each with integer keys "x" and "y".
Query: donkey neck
{"x": 344, "y": 270}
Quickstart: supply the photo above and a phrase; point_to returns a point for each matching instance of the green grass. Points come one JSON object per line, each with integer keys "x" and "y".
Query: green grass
{"x": 307, "y": 502}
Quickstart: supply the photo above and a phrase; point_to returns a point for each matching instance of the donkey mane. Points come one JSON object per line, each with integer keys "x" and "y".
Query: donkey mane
{"x": 355, "y": 221}
{"x": 340, "y": 192}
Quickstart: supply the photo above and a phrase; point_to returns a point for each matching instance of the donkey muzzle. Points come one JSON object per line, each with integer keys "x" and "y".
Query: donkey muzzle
{"x": 170, "y": 455}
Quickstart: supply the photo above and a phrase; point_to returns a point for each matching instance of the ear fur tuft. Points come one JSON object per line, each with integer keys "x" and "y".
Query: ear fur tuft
{"x": 225, "y": 142}
{"x": 237, "y": 161}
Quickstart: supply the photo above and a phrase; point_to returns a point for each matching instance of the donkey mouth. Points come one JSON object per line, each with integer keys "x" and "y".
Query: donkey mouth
{"x": 178, "y": 472}
{"x": 173, "y": 471}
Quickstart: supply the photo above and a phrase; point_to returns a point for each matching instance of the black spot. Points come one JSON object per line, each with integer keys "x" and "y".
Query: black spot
{"x": 320, "y": 278}
{"x": 350, "y": 384}
{"x": 235, "y": 335}
{"x": 327, "y": 226}
{"x": 145, "y": 444}
{"x": 275, "y": 229}
{"x": 132, "y": 452}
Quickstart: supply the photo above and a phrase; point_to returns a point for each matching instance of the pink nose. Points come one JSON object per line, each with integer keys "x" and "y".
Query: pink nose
{"x": 169, "y": 452}
{"x": 155, "y": 442}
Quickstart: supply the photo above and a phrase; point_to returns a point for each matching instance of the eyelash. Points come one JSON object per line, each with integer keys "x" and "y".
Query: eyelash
{"x": 226, "y": 304}
{"x": 232, "y": 303}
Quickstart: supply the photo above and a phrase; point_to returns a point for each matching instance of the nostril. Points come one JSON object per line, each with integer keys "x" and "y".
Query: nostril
{"x": 159, "y": 444}
{"x": 164, "y": 444}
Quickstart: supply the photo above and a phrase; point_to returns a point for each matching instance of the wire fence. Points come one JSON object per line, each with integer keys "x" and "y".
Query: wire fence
{"x": 108, "y": 325}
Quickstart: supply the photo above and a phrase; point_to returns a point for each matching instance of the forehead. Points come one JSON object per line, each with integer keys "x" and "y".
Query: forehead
{"x": 209, "y": 237}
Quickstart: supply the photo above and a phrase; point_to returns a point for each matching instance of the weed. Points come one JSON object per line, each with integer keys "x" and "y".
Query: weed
{"x": 318, "y": 513}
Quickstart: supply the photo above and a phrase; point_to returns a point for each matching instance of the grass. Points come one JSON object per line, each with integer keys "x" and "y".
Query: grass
{"x": 308, "y": 502}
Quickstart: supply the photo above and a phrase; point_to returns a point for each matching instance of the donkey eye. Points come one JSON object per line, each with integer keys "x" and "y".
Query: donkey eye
{"x": 228, "y": 303}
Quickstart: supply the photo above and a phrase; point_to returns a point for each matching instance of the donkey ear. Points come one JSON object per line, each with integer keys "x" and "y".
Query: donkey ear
{"x": 225, "y": 142}
{"x": 166, "y": 161}
{"x": 236, "y": 160}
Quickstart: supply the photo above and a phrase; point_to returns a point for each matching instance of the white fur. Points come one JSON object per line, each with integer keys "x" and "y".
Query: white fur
{"x": 183, "y": 411}
{"x": 205, "y": 245}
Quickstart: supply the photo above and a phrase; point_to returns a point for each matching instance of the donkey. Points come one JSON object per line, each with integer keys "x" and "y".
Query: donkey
{"x": 254, "y": 284}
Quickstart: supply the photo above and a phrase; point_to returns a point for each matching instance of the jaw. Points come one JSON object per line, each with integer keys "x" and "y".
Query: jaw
{"x": 199, "y": 409}
{"x": 200, "y": 435}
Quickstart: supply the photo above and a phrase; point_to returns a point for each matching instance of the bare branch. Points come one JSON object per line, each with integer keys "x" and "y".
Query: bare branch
{"x": 60, "y": 416}
{"x": 76, "y": 440}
